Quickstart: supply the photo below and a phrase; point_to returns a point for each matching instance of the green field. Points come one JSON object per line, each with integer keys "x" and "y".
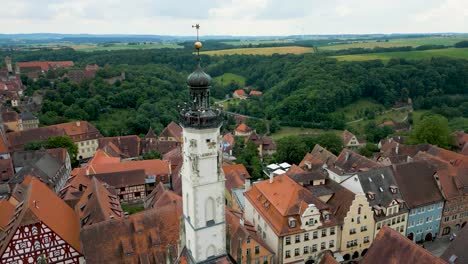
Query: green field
{"x": 257, "y": 42}
{"x": 290, "y": 131}
{"x": 410, "y": 55}
{"x": 124, "y": 46}
{"x": 358, "y": 109}
{"x": 413, "y": 42}
{"x": 229, "y": 78}
{"x": 260, "y": 51}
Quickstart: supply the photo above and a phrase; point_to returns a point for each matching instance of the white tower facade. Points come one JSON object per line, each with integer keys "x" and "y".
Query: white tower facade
{"x": 202, "y": 178}
{"x": 203, "y": 194}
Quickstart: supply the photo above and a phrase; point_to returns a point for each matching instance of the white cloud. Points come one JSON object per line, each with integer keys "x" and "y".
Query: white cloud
{"x": 234, "y": 17}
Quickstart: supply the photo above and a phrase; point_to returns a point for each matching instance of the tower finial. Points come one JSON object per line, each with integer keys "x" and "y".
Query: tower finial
{"x": 198, "y": 44}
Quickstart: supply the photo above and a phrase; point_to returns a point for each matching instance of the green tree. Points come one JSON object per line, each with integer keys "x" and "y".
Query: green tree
{"x": 249, "y": 156}
{"x": 432, "y": 129}
{"x": 291, "y": 149}
{"x": 152, "y": 155}
{"x": 63, "y": 142}
{"x": 369, "y": 150}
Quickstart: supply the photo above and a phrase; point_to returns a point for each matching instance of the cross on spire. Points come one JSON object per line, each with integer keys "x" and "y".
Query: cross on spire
{"x": 197, "y": 26}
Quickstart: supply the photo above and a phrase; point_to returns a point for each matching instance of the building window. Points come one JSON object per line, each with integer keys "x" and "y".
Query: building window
{"x": 314, "y": 248}
{"x": 331, "y": 244}
{"x": 306, "y": 250}
{"x": 352, "y": 231}
{"x": 248, "y": 240}
{"x": 296, "y": 252}
{"x": 257, "y": 250}
{"x": 324, "y": 232}
{"x": 454, "y": 217}
{"x": 315, "y": 234}
{"x": 288, "y": 254}
{"x": 363, "y": 228}
{"x": 298, "y": 239}
{"x": 248, "y": 252}
{"x": 288, "y": 240}
{"x": 322, "y": 245}
{"x": 306, "y": 237}
{"x": 366, "y": 239}
{"x": 332, "y": 230}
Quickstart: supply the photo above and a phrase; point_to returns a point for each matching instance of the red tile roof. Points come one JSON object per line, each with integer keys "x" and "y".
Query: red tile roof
{"x": 129, "y": 146}
{"x": 3, "y": 145}
{"x": 161, "y": 197}
{"x": 7, "y": 210}
{"x": 323, "y": 154}
{"x": 43, "y": 205}
{"x": 45, "y": 65}
{"x": 92, "y": 67}
{"x": 97, "y": 204}
{"x": 6, "y": 170}
{"x": 172, "y": 130}
{"x": 145, "y": 237}
{"x": 346, "y": 136}
{"x": 10, "y": 116}
{"x": 456, "y": 159}
{"x": 281, "y": 199}
{"x": 240, "y": 92}
{"x": 328, "y": 259}
{"x": 402, "y": 250}
{"x": 349, "y": 162}
{"x": 255, "y": 93}
{"x": 243, "y": 128}
{"x": 235, "y": 176}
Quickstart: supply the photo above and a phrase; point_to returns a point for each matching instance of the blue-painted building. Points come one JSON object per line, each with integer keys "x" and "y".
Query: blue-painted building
{"x": 425, "y": 202}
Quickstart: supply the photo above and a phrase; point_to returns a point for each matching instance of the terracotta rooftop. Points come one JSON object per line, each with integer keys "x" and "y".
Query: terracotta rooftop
{"x": 78, "y": 130}
{"x": 172, "y": 130}
{"x": 43, "y": 205}
{"x": 3, "y": 145}
{"x": 350, "y": 162}
{"x": 235, "y": 175}
{"x": 97, "y": 204}
{"x": 402, "y": 250}
{"x": 323, "y": 154}
{"x": 7, "y": 172}
{"x": 310, "y": 162}
{"x": 10, "y": 116}
{"x": 45, "y": 65}
{"x": 243, "y": 128}
{"x": 457, "y": 252}
{"x": 150, "y": 167}
{"x": 346, "y": 136}
{"x": 453, "y": 180}
{"x": 7, "y": 209}
{"x": 161, "y": 197}
{"x": 151, "y": 134}
{"x": 281, "y": 199}
{"x": 456, "y": 159}
{"x": 129, "y": 145}
{"x": 149, "y": 237}
{"x": 417, "y": 184}
{"x": 240, "y": 92}
{"x": 328, "y": 259}
{"x": 255, "y": 93}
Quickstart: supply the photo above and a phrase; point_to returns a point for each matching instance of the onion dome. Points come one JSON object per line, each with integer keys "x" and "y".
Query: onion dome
{"x": 198, "y": 78}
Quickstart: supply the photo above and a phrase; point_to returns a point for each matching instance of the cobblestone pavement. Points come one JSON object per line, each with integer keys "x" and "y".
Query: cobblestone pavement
{"x": 438, "y": 246}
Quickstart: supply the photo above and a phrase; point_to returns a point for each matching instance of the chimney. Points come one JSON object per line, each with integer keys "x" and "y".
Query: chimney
{"x": 247, "y": 184}
{"x": 346, "y": 156}
{"x": 78, "y": 123}
{"x": 242, "y": 221}
{"x": 87, "y": 170}
{"x": 397, "y": 148}
{"x": 271, "y": 177}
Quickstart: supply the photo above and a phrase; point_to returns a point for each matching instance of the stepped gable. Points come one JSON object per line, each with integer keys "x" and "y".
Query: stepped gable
{"x": 402, "y": 250}
{"x": 97, "y": 204}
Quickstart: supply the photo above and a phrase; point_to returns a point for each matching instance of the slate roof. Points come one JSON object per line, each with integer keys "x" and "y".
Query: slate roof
{"x": 25, "y": 116}
{"x": 457, "y": 252}
{"x": 417, "y": 184}
{"x": 45, "y": 167}
{"x": 376, "y": 180}
{"x": 41, "y": 204}
{"x": 97, "y": 204}
{"x": 147, "y": 237}
{"x": 402, "y": 250}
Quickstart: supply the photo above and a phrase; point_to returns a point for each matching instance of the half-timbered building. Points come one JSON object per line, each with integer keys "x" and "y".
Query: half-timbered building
{"x": 41, "y": 229}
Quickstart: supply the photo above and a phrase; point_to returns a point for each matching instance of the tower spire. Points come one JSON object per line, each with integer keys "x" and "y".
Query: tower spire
{"x": 198, "y": 44}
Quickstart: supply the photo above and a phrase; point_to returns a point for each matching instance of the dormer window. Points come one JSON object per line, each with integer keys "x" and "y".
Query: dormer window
{"x": 393, "y": 189}
{"x": 292, "y": 222}
{"x": 371, "y": 195}
{"x": 326, "y": 217}
{"x": 310, "y": 222}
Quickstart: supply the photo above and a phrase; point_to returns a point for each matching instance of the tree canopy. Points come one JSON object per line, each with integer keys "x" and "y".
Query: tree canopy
{"x": 432, "y": 129}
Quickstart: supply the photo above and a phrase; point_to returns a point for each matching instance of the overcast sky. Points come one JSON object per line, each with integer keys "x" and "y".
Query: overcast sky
{"x": 233, "y": 17}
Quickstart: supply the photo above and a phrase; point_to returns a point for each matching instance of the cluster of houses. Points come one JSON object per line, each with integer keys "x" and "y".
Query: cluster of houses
{"x": 201, "y": 207}
{"x": 245, "y": 93}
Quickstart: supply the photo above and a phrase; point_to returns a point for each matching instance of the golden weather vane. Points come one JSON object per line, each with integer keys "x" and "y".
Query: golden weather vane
{"x": 198, "y": 44}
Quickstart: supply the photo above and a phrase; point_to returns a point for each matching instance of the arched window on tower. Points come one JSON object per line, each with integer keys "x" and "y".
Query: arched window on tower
{"x": 210, "y": 211}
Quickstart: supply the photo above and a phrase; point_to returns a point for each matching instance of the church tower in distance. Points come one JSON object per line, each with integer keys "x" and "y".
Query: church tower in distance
{"x": 202, "y": 178}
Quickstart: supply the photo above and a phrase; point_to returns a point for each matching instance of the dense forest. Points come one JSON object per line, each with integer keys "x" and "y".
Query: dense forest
{"x": 299, "y": 90}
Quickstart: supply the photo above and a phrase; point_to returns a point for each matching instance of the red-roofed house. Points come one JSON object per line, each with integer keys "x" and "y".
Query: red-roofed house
{"x": 255, "y": 93}
{"x": 295, "y": 224}
{"x": 42, "y": 228}
{"x": 351, "y": 141}
{"x": 240, "y": 94}
{"x": 243, "y": 130}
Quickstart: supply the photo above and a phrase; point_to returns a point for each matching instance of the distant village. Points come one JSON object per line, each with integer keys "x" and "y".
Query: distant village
{"x": 197, "y": 205}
